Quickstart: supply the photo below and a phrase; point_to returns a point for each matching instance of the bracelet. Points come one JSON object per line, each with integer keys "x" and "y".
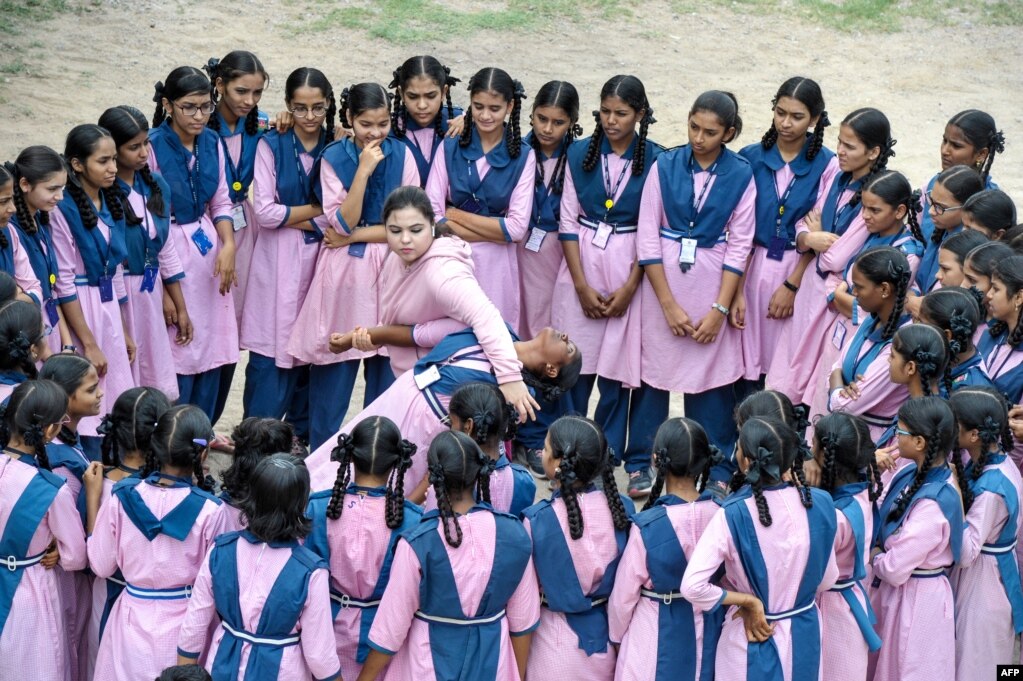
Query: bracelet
{"x": 69, "y": 348}
{"x": 720, "y": 308}
{"x": 790, "y": 286}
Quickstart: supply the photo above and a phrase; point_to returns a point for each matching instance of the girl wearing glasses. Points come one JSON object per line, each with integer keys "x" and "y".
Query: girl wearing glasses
{"x": 949, "y": 191}
{"x": 291, "y": 225}
{"x": 191, "y": 160}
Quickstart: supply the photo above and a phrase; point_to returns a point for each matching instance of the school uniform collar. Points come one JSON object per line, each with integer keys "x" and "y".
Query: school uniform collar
{"x": 800, "y": 165}
{"x": 366, "y": 491}
{"x": 27, "y": 458}
{"x": 850, "y": 490}
{"x": 497, "y": 157}
{"x": 12, "y": 378}
{"x": 527, "y": 141}
{"x": 225, "y": 130}
{"x": 585, "y": 490}
{"x": 724, "y": 162}
{"x": 352, "y": 150}
{"x": 606, "y": 150}
{"x": 253, "y": 539}
{"x": 176, "y": 481}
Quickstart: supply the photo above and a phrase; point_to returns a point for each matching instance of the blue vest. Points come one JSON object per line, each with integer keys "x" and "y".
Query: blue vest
{"x": 846, "y": 504}
{"x": 245, "y": 169}
{"x": 969, "y": 372}
{"x": 855, "y": 362}
{"x": 666, "y": 563}
{"x": 68, "y": 455}
{"x": 586, "y": 613}
{"x": 493, "y": 192}
{"x": 11, "y": 377}
{"x": 319, "y": 544}
{"x": 902, "y": 240}
{"x": 1009, "y": 382}
{"x": 926, "y": 273}
{"x": 343, "y": 157}
{"x": 178, "y": 523}
{"x": 468, "y": 650}
{"x": 7, "y": 252}
{"x": 101, "y": 257}
{"x": 802, "y": 195}
{"x": 934, "y": 488}
{"x": 280, "y": 614}
{"x": 834, "y": 218}
{"x": 191, "y": 189}
{"x": 523, "y": 486}
{"x": 422, "y": 163}
{"x": 589, "y": 186}
{"x": 294, "y": 187}
{"x": 142, "y": 249}
{"x": 546, "y": 213}
{"x": 762, "y": 659}
{"x": 41, "y": 255}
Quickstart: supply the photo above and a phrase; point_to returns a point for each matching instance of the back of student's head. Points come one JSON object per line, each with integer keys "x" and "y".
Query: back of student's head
{"x": 682, "y": 450}
{"x": 847, "y": 450}
{"x": 129, "y": 425}
{"x": 278, "y": 494}
{"x": 961, "y": 243}
{"x": 254, "y": 438}
{"x": 931, "y": 418}
{"x": 955, "y": 311}
{"x": 772, "y": 404}
{"x": 180, "y": 439}
{"x": 770, "y": 447}
{"x": 374, "y": 447}
{"x": 31, "y": 409}
{"x": 991, "y": 210}
{"x": 457, "y": 465}
{"x": 8, "y": 288}
{"x": 185, "y": 672}
{"x": 482, "y": 407}
{"x": 21, "y": 327}
{"x": 984, "y": 409}
{"x": 927, "y": 348}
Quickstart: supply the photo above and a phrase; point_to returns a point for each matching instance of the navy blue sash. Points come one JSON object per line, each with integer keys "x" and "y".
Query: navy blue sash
{"x": 7, "y": 252}
{"x": 1008, "y": 381}
{"x": 853, "y": 363}
{"x": 926, "y": 273}
{"x": 343, "y": 157}
{"x": 294, "y": 187}
{"x": 935, "y": 488}
{"x": 178, "y": 523}
{"x": 245, "y": 169}
{"x": 731, "y": 177}
{"x": 969, "y": 372}
{"x": 69, "y": 456}
{"x": 100, "y": 256}
{"x": 142, "y": 249}
{"x": 546, "y": 213}
{"x": 422, "y": 163}
{"x": 589, "y": 186}
{"x": 39, "y": 249}
{"x": 191, "y": 189}
{"x": 837, "y": 219}
{"x": 523, "y": 489}
{"x": 846, "y": 504}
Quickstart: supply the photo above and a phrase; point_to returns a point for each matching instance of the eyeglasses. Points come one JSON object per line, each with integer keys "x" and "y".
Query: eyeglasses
{"x": 900, "y": 431}
{"x": 192, "y": 110}
{"x": 940, "y": 209}
{"x": 317, "y": 111}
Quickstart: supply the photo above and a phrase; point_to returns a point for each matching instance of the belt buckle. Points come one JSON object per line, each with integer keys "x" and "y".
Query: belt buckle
{"x": 12, "y": 563}
{"x": 346, "y": 601}
{"x": 667, "y": 598}
{"x": 188, "y": 591}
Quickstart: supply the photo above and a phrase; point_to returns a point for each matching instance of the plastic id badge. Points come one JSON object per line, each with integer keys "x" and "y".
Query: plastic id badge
{"x": 687, "y": 252}
{"x": 238, "y": 215}
{"x": 357, "y": 250}
{"x": 106, "y": 288}
{"x": 838, "y": 337}
{"x": 536, "y": 237}
{"x": 776, "y": 249}
{"x": 471, "y": 205}
{"x": 149, "y": 278}
{"x": 51, "y": 313}
{"x": 428, "y": 377}
{"x": 202, "y": 241}
{"x": 604, "y": 231}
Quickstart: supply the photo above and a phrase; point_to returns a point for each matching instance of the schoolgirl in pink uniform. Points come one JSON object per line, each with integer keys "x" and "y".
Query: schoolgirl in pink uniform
{"x": 13, "y": 258}
{"x": 844, "y": 449}
{"x": 191, "y": 160}
{"x": 954, "y": 311}
{"x": 920, "y": 535}
{"x": 156, "y": 529}
{"x": 696, "y": 227}
{"x": 988, "y": 597}
{"x": 291, "y": 225}
{"x": 254, "y": 439}
{"x": 776, "y": 544}
{"x": 36, "y": 511}
{"x": 792, "y": 169}
{"x": 356, "y": 525}
{"x": 88, "y": 233}
{"x": 153, "y": 270}
{"x": 462, "y": 600}
{"x": 265, "y": 592}
{"x": 356, "y": 175}
{"x": 579, "y": 536}
{"x": 682, "y": 642}
{"x": 481, "y": 185}
{"x": 21, "y": 340}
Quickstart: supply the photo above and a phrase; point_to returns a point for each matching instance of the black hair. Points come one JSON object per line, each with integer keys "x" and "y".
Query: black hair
{"x": 1012, "y": 236}
{"x": 180, "y": 438}
{"x": 129, "y": 425}
{"x": 884, "y": 264}
{"x": 234, "y": 65}
{"x": 184, "y": 672}
{"x": 993, "y": 209}
{"x": 955, "y": 311}
{"x": 579, "y": 447}
{"x": 931, "y": 418}
{"x": 562, "y": 95}
{"x": 1009, "y": 271}
{"x": 21, "y": 327}
{"x": 125, "y": 123}
{"x": 872, "y": 129}
{"x": 181, "y": 82}
{"x": 807, "y": 92}
{"x": 34, "y": 164}
{"x": 960, "y": 181}
{"x": 844, "y": 440}
{"x": 496, "y": 80}
{"x": 32, "y": 407}
{"x": 408, "y": 197}
{"x": 8, "y": 288}
{"x": 456, "y": 464}
{"x": 725, "y": 106}
{"x": 961, "y": 243}
{"x": 361, "y": 97}
{"x": 551, "y": 388}
{"x": 894, "y": 189}
{"x": 274, "y": 508}
{"x": 981, "y": 408}
{"x": 254, "y": 439}
{"x": 81, "y": 144}
{"x": 982, "y": 260}
{"x": 979, "y": 128}
{"x": 313, "y": 78}
{"x": 682, "y": 449}
{"x": 486, "y": 406}
{"x": 772, "y": 404}
{"x": 927, "y": 347}
{"x": 770, "y": 442}
{"x": 375, "y": 446}
{"x": 630, "y": 90}
{"x": 413, "y": 67}
{"x": 69, "y": 372}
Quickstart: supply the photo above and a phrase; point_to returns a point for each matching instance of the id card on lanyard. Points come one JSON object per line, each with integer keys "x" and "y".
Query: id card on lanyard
{"x": 611, "y": 192}
{"x": 687, "y": 246}
{"x": 776, "y": 249}
{"x": 106, "y": 281}
{"x": 472, "y": 204}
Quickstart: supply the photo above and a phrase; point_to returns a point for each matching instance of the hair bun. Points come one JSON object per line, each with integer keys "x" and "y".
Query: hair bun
{"x": 648, "y": 118}
{"x": 211, "y": 67}
{"x": 406, "y": 450}
{"x": 11, "y": 167}
{"x": 520, "y": 90}
{"x": 824, "y": 121}
{"x": 158, "y": 90}
{"x": 345, "y": 444}
{"x": 717, "y": 457}
{"x": 106, "y": 425}
{"x": 20, "y": 347}
{"x": 915, "y": 201}
{"x": 436, "y": 474}
{"x": 997, "y": 141}
{"x": 33, "y": 435}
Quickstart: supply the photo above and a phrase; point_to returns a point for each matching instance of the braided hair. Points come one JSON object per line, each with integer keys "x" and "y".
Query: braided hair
{"x": 807, "y": 92}
{"x": 960, "y": 244}
{"x": 894, "y": 189}
{"x": 927, "y": 347}
{"x": 497, "y": 81}
{"x": 954, "y": 311}
{"x": 129, "y": 425}
{"x": 773, "y": 404}
{"x": 6, "y": 178}
{"x": 33, "y": 407}
{"x": 932, "y": 419}
{"x": 360, "y": 98}
{"x": 485, "y": 406}
{"x": 872, "y": 129}
{"x": 630, "y": 90}
{"x": 456, "y": 465}
{"x": 81, "y": 144}
{"x": 847, "y": 449}
{"x": 180, "y": 440}
{"x": 887, "y": 265}
{"x": 313, "y": 78}
{"x": 984, "y": 409}
{"x": 990, "y": 210}
{"x": 561, "y": 95}
{"x": 34, "y": 164}
{"x": 254, "y": 439}
{"x": 274, "y": 510}
{"x": 21, "y": 328}
{"x": 181, "y": 82}
{"x": 551, "y": 388}
{"x": 979, "y": 128}
{"x": 682, "y": 450}
{"x": 125, "y": 123}
{"x": 769, "y": 447}
{"x": 422, "y": 66}
{"x": 234, "y": 65}
{"x": 982, "y": 261}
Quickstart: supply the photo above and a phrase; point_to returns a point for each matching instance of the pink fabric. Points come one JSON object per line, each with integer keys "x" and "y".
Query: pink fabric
{"x": 246, "y": 237}
{"x": 103, "y": 319}
{"x": 395, "y": 627}
{"x": 213, "y": 316}
{"x": 633, "y": 619}
{"x": 344, "y": 290}
{"x": 282, "y": 266}
{"x": 1002, "y": 360}
{"x": 502, "y": 489}
{"x": 99, "y": 599}
{"x": 141, "y": 636}
{"x": 610, "y": 347}
{"x": 497, "y": 265}
{"x": 784, "y": 544}
{"x": 682, "y": 364}
{"x": 259, "y": 566}
{"x": 36, "y": 614}
{"x": 537, "y": 274}
{"x": 24, "y": 275}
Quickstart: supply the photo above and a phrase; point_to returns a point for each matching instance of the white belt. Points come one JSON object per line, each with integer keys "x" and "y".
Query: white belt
{"x": 664, "y": 598}
{"x": 933, "y": 572}
{"x": 461, "y": 622}
{"x": 992, "y": 549}
{"x": 259, "y": 640}
{"x": 159, "y": 594}
{"x": 593, "y": 603}
{"x": 842, "y": 586}
{"x": 347, "y": 601}
{"x": 789, "y": 613}
{"x": 13, "y": 563}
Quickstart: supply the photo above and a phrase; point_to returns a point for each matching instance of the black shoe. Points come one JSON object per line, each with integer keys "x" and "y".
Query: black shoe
{"x": 534, "y": 459}
{"x": 640, "y": 483}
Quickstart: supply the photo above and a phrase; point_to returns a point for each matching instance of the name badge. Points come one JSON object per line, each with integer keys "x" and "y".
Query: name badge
{"x": 604, "y": 231}
{"x": 471, "y": 205}
{"x": 238, "y": 215}
{"x": 202, "y": 241}
{"x": 357, "y": 250}
{"x": 428, "y": 377}
{"x": 687, "y": 252}
{"x": 149, "y": 278}
{"x": 536, "y": 237}
{"x": 106, "y": 288}
{"x": 776, "y": 249}
{"x": 838, "y": 337}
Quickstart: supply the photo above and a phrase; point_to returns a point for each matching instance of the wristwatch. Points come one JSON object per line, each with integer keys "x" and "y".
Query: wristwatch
{"x": 720, "y": 308}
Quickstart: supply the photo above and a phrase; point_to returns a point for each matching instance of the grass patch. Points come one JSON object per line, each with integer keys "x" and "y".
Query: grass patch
{"x": 16, "y": 15}
{"x": 14, "y": 68}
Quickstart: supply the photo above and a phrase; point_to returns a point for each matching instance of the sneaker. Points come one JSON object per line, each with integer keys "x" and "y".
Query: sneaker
{"x": 640, "y": 483}
{"x": 534, "y": 459}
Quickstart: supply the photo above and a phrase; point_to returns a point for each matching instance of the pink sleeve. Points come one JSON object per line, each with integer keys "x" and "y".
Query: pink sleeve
{"x": 845, "y": 249}
{"x": 923, "y": 530}
{"x": 67, "y": 257}
{"x": 73, "y": 484}
{"x": 523, "y": 608}
{"x": 651, "y": 218}
{"x": 24, "y": 275}
{"x": 66, "y": 525}
{"x": 317, "y": 627}
{"x": 334, "y": 194}
{"x": 400, "y": 601}
{"x": 102, "y": 543}
{"x": 154, "y": 163}
{"x": 630, "y": 578}
{"x": 515, "y": 223}
{"x": 986, "y": 518}
{"x": 120, "y": 293}
{"x": 410, "y": 171}
{"x": 830, "y": 572}
{"x": 568, "y": 227}
{"x": 216, "y": 523}
{"x": 169, "y": 261}
{"x": 428, "y": 334}
{"x": 437, "y": 184}
{"x": 269, "y": 213}
{"x": 876, "y": 387}
{"x": 742, "y": 224}
{"x": 827, "y": 179}
{"x": 201, "y": 610}
{"x": 711, "y": 551}
{"x": 220, "y": 203}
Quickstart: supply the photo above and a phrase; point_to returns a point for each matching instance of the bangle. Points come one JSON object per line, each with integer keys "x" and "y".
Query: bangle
{"x": 68, "y": 348}
{"x": 720, "y": 308}
{"x": 790, "y": 286}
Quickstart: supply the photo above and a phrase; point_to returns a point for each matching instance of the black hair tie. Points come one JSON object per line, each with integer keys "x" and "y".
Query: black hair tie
{"x": 106, "y": 425}
{"x": 824, "y": 121}
{"x": 159, "y": 89}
